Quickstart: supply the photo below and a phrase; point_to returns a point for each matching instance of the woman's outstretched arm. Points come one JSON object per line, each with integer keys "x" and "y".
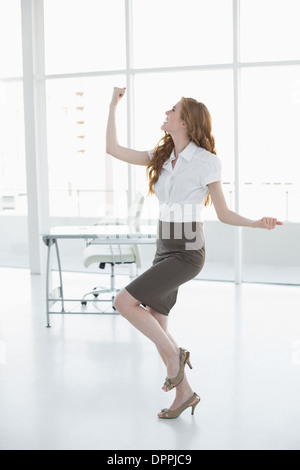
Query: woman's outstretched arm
{"x": 112, "y": 145}
{"x": 227, "y": 216}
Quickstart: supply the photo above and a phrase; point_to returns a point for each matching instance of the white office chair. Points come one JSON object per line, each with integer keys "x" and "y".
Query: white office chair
{"x": 115, "y": 254}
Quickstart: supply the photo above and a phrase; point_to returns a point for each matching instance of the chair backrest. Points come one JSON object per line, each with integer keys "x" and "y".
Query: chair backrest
{"x": 134, "y": 222}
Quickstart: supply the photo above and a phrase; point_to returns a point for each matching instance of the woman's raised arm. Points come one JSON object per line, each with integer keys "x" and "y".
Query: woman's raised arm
{"x": 113, "y": 148}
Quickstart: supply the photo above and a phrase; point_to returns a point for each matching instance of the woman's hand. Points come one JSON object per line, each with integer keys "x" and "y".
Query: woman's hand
{"x": 267, "y": 222}
{"x": 118, "y": 94}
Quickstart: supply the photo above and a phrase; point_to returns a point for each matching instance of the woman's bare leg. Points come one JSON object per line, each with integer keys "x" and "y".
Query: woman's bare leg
{"x": 146, "y": 323}
{"x": 183, "y": 391}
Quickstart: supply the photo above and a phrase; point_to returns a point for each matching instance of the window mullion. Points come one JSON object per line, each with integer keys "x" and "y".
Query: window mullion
{"x": 130, "y": 95}
{"x": 236, "y": 84}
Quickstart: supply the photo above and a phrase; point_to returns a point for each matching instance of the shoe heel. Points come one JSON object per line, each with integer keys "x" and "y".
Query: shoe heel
{"x": 187, "y": 361}
{"x": 194, "y": 406}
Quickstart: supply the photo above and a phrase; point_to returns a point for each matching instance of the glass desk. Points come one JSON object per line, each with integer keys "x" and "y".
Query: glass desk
{"x": 96, "y": 235}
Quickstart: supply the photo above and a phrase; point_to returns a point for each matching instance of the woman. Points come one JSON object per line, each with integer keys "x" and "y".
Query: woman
{"x": 185, "y": 174}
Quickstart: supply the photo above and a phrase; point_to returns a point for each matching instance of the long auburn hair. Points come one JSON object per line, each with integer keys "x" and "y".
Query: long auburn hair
{"x": 199, "y": 127}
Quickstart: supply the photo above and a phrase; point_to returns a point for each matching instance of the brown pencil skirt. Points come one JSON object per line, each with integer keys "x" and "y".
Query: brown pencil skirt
{"x": 180, "y": 256}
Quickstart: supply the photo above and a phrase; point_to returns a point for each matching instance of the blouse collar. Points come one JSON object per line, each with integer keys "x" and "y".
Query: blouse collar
{"x": 186, "y": 153}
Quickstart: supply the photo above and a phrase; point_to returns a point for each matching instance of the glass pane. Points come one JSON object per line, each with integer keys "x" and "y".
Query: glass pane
{"x": 84, "y": 35}
{"x": 10, "y": 39}
{"x": 172, "y": 32}
{"x": 83, "y": 181}
{"x": 215, "y": 89}
{"x": 270, "y": 140}
{"x": 270, "y": 172}
{"x": 13, "y": 193}
{"x": 276, "y": 27}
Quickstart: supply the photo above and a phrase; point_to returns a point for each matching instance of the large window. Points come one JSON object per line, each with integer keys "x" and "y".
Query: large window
{"x": 240, "y": 57}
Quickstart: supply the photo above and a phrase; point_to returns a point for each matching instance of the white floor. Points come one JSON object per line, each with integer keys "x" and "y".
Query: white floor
{"x": 93, "y": 382}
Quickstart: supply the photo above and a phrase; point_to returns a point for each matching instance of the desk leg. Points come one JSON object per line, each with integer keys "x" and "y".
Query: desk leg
{"x": 49, "y": 242}
{"x": 60, "y": 277}
{"x": 52, "y": 296}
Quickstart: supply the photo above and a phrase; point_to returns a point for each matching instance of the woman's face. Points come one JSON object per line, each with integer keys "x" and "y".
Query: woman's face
{"x": 173, "y": 122}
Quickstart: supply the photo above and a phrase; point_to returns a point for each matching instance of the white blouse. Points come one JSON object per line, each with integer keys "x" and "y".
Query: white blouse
{"x": 182, "y": 191}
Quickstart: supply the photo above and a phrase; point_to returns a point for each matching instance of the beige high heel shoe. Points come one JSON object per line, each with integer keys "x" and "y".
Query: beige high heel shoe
{"x": 184, "y": 358}
{"x": 171, "y": 414}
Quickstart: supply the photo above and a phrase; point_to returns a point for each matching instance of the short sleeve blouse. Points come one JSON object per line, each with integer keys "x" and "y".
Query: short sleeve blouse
{"x": 181, "y": 191}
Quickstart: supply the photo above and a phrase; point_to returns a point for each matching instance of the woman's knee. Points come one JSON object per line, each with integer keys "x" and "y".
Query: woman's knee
{"x": 124, "y": 302}
{"x": 119, "y": 302}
